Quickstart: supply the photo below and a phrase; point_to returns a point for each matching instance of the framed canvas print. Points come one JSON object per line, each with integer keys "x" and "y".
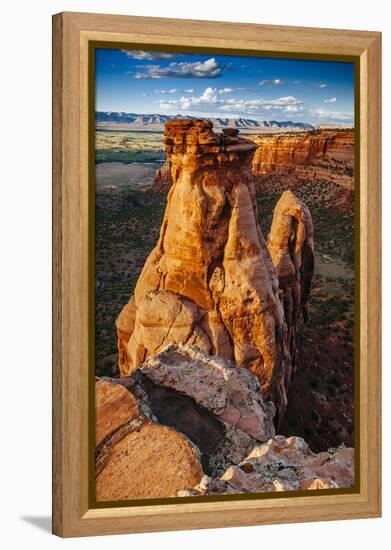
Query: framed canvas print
{"x": 216, "y": 230}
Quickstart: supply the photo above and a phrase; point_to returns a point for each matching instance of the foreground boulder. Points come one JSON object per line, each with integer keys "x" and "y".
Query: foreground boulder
{"x": 210, "y": 281}
{"x": 114, "y": 406}
{"x": 135, "y": 456}
{"x": 214, "y": 403}
{"x": 215, "y": 384}
{"x": 282, "y": 464}
{"x": 150, "y": 461}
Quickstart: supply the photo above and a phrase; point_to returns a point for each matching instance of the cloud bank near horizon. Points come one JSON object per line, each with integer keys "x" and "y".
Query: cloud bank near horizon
{"x": 251, "y": 87}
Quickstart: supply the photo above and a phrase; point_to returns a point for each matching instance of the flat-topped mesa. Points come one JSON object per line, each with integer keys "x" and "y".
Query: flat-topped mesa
{"x": 210, "y": 281}
{"x": 191, "y": 144}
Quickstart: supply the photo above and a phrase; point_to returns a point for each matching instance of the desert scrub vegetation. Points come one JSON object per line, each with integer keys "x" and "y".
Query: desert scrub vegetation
{"x": 127, "y": 228}
{"x": 115, "y": 155}
{"x": 122, "y": 146}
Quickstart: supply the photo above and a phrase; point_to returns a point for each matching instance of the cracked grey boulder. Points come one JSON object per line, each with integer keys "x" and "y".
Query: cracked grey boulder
{"x": 287, "y": 464}
{"x": 215, "y": 404}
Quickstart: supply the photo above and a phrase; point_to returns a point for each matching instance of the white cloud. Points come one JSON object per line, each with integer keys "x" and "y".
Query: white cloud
{"x": 170, "y": 91}
{"x": 197, "y": 69}
{"x": 274, "y": 82}
{"x": 281, "y": 103}
{"x": 211, "y": 102}
{"x": 330, "y": 100}
{"x": 211, "y": 98}
{"x": 332, "y": 115}
{"x": 293, "y": 108}
{"x": 214, "y": 101}
{"x": 288, "y": 100}
{"x": 148, "y": 56}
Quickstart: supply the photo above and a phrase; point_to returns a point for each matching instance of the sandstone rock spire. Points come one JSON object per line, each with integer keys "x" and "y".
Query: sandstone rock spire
{"x": 210, "y": 281}
{"x": 163, "y": 178}
{"x": 291, "y": 246}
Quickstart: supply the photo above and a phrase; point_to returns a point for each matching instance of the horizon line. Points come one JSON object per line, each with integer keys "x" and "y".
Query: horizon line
{"x": 233, "y": 116}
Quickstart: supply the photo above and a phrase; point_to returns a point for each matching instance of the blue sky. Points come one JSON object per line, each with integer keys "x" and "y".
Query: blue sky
{"x": 318, "y": 92}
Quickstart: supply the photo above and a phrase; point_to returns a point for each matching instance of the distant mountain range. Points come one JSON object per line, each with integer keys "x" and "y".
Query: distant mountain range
{"x": 155, "y": 122}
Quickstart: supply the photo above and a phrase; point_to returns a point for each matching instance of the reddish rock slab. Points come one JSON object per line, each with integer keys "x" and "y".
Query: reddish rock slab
{"x": 136, "y": 457}
{"x": 114, "y": 406}
{"x": 231, "y": 393}
{"x": 151, "y": 462}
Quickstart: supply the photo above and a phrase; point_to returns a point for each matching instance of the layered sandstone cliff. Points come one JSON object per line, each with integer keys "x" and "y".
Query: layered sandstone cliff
{"x": 210, "y": 281}
{"x": 326, "y": 154}
{"x": 321, "y": 154}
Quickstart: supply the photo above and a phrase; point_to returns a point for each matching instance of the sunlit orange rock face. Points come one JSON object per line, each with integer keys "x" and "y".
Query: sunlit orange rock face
{"x": 291, "y": 246}
{"x": 210, "y": 281}
{"x": 327, "y": 154}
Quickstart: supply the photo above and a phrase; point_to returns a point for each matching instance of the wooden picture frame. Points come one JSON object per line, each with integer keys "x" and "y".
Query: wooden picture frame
{"x": 72, "y": 514}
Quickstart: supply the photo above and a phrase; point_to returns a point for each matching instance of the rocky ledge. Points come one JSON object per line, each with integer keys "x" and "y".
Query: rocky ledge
{"x": 187, "y": 424}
